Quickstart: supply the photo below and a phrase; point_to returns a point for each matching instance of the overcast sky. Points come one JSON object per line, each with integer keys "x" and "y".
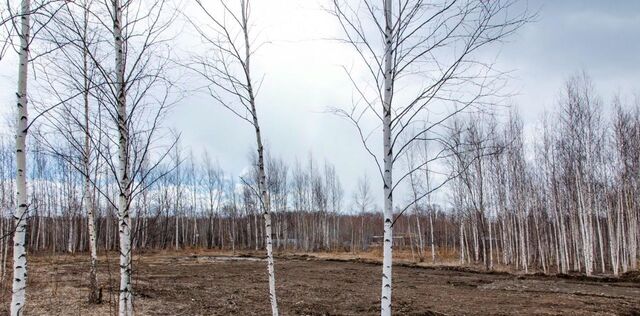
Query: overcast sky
{"x": 303, "y": 76}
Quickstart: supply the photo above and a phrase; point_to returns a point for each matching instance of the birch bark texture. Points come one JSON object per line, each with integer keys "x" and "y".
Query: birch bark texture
{"x": 89, "y": 203}
{"x": 140, "y": 93}
{"x": 125, "y": 298}
{"x": 18, "y": 297}
{"x": 387, "y": 252}
{"x": 228, "y": 72}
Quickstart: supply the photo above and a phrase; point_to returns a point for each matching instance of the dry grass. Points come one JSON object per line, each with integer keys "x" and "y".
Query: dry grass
{"x": 195, "y": 282}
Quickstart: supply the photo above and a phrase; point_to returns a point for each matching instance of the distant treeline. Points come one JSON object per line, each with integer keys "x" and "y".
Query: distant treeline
{"x": 564, "y": 198}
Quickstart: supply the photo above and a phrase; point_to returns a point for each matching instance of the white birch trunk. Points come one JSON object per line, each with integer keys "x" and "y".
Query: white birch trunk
{"x": 433, "y": 245}
{"x": 125, "y": 304}
{"x": 420, "y": 244}
{"x": 18, "y": 298}
{"x": 387, "y": 257}
{"x": 177, "y": 234}
{"x": 600, "y": 242}
{"x": 523, "y": 243}
{"x": 262, "y": 187}
{"x": 262, "y": 179}
{"x": 632, "y": 237}
{"x": 461, "y": 242}
{"x": 490, "y": 245}
{"x": 3, "y": 247}
{"x": 88, "y": 201}
{"x": 71, "y": 233}
{"x": 88, "y": 190}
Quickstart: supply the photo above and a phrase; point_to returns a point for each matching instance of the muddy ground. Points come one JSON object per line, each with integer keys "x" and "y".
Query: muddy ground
{"x": 206, "y": 284}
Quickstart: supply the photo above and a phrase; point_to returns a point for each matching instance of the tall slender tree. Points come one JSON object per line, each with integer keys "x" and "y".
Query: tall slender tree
{"x": 70, "y": 76}
{"x": 18, "y": 298}
{"x": 435, "y": 45}
{"x": 138, "y": 91}
{"x": 228, "y": 73}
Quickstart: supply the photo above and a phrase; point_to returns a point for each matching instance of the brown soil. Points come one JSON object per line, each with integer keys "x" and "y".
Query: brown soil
{"x": 208, "y": 284}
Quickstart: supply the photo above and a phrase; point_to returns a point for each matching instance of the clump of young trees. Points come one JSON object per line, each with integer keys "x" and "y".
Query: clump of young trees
{"x": 559, "y": 199}
{"x": 104, "y": 68}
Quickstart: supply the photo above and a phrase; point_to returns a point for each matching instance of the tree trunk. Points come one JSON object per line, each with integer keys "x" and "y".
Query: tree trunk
{"x": 18, "y": 298}
{"x": 262, "y": 179}
{"x": 387, "y": 257}
{"x": 433, "y": 246}
{"x": 94, "y": 295}
{"x": 125, "y": 300}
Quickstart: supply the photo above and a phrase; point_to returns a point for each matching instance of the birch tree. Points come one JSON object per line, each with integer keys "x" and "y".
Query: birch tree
{"x": 138, "y": 91}
{"x": 228, "y": 73}
{"x": 430, "y": 51}
{"x": 19, "y": 23}
{"x": 70, "y": 75}
{"x": 21, "y": 26}
{"x": 362, "y": 201}
{"x": 18, "y": 297}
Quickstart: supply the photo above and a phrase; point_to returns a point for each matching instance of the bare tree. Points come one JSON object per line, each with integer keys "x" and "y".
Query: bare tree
{"x": 214, "y": 185}
{"x": 18, "y": 298}
{"x": 363, "y": 201}
{"x": 435, "y": 45}
{"x": 20, "y": 24}
{"x": 69, "y": 76}
{"x": 227, "y": 71}
{"x": 137, "y": 92}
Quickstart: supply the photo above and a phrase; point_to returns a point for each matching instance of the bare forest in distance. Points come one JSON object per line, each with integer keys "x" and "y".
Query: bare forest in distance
{"x": 116, "y": 200}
